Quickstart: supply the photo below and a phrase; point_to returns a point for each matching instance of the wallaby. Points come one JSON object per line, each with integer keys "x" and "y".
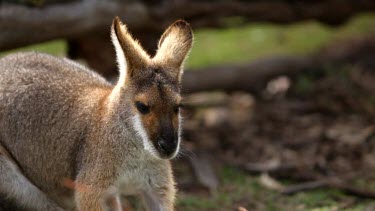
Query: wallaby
{"x": 69, "y": 138}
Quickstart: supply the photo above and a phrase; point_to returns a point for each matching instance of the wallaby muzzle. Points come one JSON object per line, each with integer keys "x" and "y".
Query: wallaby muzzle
{"x": 167, "y": 142}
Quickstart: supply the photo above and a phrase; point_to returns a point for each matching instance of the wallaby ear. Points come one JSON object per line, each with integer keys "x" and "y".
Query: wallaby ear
{"x": 174, "y": 45}
{"x": 130, "y": 55}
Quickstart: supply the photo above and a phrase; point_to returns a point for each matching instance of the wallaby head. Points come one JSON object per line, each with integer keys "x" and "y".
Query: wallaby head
{"x": 151, "y": 85}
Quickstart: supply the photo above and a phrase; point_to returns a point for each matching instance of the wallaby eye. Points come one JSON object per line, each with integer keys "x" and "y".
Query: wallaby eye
{"x": 144, "y": 109}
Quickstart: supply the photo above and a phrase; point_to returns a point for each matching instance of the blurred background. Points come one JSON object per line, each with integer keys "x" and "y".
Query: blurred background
{"x": 279, "y": 94}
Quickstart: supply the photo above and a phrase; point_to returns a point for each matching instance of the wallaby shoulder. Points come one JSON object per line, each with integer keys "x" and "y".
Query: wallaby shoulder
{"x": 47, "y": 104}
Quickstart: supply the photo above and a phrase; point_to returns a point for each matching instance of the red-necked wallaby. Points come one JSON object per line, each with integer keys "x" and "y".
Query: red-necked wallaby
{"x": 69, "y": 138}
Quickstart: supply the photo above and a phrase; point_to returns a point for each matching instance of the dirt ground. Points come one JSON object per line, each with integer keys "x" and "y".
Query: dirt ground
{"x": 318, "y": 130}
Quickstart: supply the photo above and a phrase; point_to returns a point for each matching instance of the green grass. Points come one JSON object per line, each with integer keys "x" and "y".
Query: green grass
{"x": 240, "y": 189}
{"x": 236, "y": 187}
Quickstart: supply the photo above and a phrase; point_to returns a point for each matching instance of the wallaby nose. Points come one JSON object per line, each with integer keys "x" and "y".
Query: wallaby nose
{"x": 167, "y": 147}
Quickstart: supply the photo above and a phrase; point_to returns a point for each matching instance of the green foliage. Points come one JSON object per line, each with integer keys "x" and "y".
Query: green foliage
{"x": 56, "y": 47}
{"x": 253, "y": 41}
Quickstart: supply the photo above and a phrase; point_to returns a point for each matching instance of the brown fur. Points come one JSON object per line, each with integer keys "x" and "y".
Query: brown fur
{"x": 74, "y": 136}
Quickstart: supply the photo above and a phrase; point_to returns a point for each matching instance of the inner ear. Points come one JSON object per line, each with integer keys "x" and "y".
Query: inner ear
{"x": 174, "y": 45}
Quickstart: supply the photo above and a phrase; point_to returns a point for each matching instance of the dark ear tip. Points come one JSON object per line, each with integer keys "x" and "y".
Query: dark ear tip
{"x": 181, "y": 22}
{"x": 183, "y": 25}
{"x": 116, "y": 21}
{"x": 115, "y": 24}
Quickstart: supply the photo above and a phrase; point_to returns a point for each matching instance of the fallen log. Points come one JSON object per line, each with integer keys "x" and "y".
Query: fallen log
{"x": 249, "y": 77}
{"x": 253, "y": 77}
{"x": 329, "y": 183}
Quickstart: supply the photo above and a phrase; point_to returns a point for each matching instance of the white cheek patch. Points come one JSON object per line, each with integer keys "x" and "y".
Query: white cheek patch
{"x": 138, "y": 127}
{"x": 179, "y": 133}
